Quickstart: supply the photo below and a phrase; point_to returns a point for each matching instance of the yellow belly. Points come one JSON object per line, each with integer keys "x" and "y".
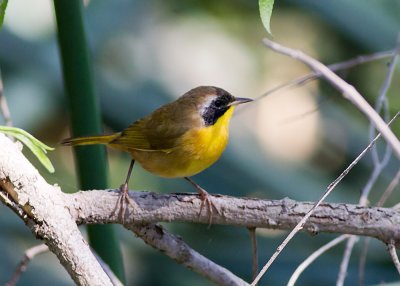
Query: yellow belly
{"x": 197, "y": 150}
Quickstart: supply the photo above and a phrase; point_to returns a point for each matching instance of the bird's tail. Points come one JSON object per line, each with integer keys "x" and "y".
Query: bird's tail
{"x": 90, "y": 140}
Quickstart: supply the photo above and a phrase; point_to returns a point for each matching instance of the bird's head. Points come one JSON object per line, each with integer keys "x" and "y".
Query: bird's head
{"x": 212, "y": 102}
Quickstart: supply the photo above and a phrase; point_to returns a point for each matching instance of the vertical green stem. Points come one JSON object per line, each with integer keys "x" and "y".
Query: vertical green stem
{"x": 85, "y": 119}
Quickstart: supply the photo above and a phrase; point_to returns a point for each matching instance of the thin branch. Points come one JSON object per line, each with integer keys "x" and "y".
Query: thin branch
{"x": 254, "y": 252}
{"x": 345, "y": 261}
{"x": 333, "y": 67}
{"x": 363, "y": 261}
{"x": 300, "y": 269}
{"x": 301, "y": 224}
{"x": 379, "y": 164}
{"x": 174, "y": 247}
{"x": 363, "y": 256}
{"x": 4, "y": 110}
{"x": 22, "y": 266}
{"x": 42, "y": 248}
{"x": 347, "y": 90}
{"x": 114, "y": 279}
{"x": 381, "y": 101}
{"x": 389, "y": 190}
{"x": 393, "y": 254}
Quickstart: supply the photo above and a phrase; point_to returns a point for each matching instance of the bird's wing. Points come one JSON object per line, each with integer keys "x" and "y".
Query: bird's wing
{"x": 160, "y": 131}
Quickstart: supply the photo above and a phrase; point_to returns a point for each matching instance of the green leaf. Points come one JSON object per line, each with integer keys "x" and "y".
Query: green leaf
{"x": 3, "y": 6}
{"x": 38, "y": 148}
{"x": 266, "y": 12}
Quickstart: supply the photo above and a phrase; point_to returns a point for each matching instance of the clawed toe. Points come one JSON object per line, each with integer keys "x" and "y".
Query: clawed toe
{"x": 122, "y": 203}
{"x": 206, "y": 198}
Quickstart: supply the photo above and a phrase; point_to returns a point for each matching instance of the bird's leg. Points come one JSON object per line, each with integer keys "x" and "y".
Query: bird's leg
{"x": 124, "y": 198}
{"x": 205, "y": 197}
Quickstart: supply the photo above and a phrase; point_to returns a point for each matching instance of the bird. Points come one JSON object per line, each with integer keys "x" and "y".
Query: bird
{"x": 177, "y": 140}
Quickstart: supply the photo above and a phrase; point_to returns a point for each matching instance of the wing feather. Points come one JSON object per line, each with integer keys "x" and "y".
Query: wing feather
{"x": 160, "y": 131}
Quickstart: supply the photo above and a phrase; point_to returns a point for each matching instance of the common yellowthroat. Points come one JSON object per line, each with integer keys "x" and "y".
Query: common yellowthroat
{"x": 179, "y": 139}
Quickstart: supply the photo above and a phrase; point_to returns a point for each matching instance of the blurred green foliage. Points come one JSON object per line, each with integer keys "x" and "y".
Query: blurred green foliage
{"x": 148, "y": 52}
{"x": 3, "y": 6}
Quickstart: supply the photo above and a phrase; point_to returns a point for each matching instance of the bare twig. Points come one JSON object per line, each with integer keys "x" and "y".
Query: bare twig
{"x": 174, "y": 247}
{"x": 114, "y": 279}
{"x": 363, "y": 261}
{"x": 22, "y": 266}
{"x": 345, "y": 261}
{"x": 393, "y": 254}
{"x": 4, "y": 110}
{"x": 42, "y": 248}
{"x": 333, "y": 67}
{"x": 347, "y": 90}
{"x": 379, "y": 164}
{"x": 254, "y": 253}
{"x": 389, "y": 190}
{"x": 381, "y": 101}
{"x": 330, "y": 188}
{"x": 314, "y": 256}
{"x": 363, "y": 256}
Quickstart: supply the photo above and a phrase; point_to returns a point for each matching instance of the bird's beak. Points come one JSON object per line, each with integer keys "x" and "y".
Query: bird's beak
{"x": 240, "y": 100}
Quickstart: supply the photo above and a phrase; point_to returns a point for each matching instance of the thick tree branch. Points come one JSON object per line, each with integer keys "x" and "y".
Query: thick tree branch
{"x": 42, "y": 207}
{"x": 96, "y": 206}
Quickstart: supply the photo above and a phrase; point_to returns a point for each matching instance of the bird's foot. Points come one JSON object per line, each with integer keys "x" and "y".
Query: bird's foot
{"x": 123, "y": 203}
{"x": 206, "y": 199}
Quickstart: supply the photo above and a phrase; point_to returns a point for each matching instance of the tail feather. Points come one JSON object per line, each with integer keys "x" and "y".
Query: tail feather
{"x": 90, "y": 140}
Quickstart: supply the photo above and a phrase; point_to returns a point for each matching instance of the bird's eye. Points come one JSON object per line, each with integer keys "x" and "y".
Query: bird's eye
{"x": 218, "y": 103}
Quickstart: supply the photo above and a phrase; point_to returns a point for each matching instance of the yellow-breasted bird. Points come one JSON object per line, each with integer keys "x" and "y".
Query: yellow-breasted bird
{"x": 179, "y": 139}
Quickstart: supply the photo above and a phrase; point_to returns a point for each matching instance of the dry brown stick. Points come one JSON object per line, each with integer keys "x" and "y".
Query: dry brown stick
{"x": 303, "y": 221}
{"x": 22, "y": 266}
{"x": 347, "y": 90}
